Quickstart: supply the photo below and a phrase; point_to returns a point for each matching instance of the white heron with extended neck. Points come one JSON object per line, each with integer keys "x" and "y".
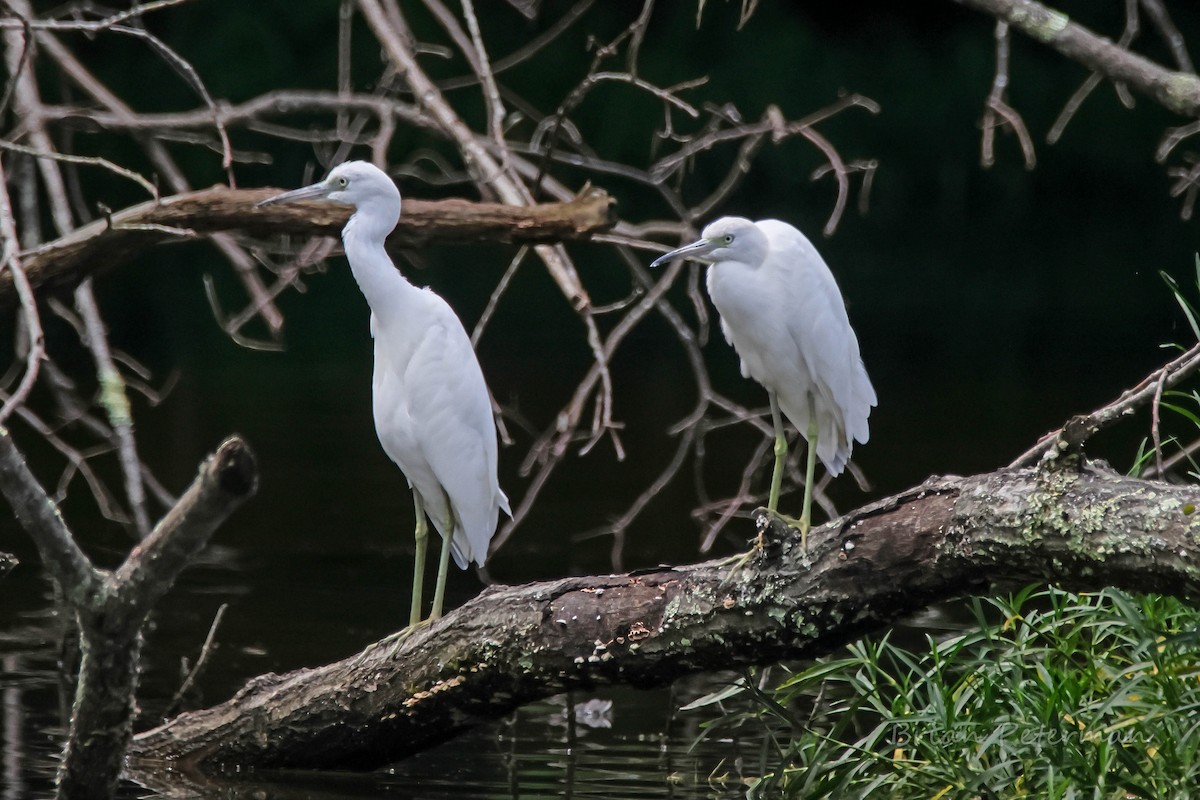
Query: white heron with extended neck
{"x": 782, "y": 311}
{"x": 432, "y": 410}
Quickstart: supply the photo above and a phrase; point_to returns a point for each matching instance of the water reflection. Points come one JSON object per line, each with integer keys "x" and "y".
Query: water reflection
{"x": 30, "y": 728}
{"x": 648, "y": 752}
{"x": 615, "y": 743}
{"x": 12, "y": 730}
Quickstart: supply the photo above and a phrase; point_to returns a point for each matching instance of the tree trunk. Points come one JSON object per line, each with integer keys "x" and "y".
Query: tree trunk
{"x": 104, "y": 708}
{"x": 1082, "y": 526}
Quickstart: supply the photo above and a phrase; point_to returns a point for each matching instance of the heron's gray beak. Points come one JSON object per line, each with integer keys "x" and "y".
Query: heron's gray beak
{"x": 696, "y": 250}
{"x": 317, "y": 190}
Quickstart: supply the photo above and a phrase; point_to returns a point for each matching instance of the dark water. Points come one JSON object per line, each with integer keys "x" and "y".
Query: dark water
{"x": 616, "y": 743}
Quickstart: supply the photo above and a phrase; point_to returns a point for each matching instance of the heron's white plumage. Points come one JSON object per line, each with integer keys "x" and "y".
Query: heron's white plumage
{"x": 434, "y": 420}
{"x": 431, "y": 406}
{"x": 782, "y": 311}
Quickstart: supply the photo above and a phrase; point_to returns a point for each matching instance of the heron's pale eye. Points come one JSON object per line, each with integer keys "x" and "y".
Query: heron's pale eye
{"x": 727, "y": 238}
{"x": 343, "y": 182}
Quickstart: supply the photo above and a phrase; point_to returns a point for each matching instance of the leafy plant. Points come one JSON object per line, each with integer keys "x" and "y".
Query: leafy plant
{"x": 1049, "y": 694}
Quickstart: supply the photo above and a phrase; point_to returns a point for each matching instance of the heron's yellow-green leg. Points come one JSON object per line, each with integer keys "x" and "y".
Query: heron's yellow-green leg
{"x": 422, "y": 534}
{"x": 439, "y": 589}
{"x": 780, "y": 454}
{"x": 806, "y": 514}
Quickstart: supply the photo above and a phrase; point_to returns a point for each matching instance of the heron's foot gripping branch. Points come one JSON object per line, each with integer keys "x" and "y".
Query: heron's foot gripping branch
{"x": 393, "y": 642}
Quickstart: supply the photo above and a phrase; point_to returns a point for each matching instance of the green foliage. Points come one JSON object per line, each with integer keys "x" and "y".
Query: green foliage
{"x": 1185, "y": 303}
{"x": 1184, "y": 405}
{"x": 1050, "y": 694}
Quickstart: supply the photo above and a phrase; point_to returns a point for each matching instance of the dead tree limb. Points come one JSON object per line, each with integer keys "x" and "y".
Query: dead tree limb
{"x": 1175, "y": 90}
{"x": 64, "y": 262}
{"x": 1080, "y": 525}
{"x": 38, "y": 515}
{"x": 111, "y": 607}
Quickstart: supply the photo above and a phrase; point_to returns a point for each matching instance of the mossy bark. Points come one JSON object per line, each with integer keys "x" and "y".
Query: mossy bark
{"x": 1080, "y": 526}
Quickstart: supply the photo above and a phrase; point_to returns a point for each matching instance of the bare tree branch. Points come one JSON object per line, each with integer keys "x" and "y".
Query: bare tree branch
{"x": 1132, "y": 27}
{"x": 111, "y": 608}
{"x": 998, "y": 113}
{"x": 109, "y": 242}
{"x": 12, "y": 271}
{"x": 1077, "y": 430}
{"x": 39, "y": 515}
{"x": 1177, "y": 91}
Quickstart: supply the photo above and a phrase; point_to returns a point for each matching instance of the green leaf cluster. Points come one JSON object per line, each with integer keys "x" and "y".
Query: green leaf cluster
{"x": 1047, "y": 694}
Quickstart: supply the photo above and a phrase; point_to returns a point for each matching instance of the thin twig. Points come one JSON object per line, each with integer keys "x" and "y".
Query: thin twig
{"x": 1094, "y": 80}
{"x": 115, "y": 402}
{"x": 1155, "y": 404}
{"x": 35, "y": 347}
{"x": 1172, "y": 38}
{"x": 1129, "y": 401}
{"x": 201, "y": 662}
{"x": 497, "y": 293}
{"x": 998, "y": 113}
{"x": 97, "y": 26}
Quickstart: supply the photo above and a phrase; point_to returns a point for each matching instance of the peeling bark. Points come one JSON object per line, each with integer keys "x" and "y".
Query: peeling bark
{"x": 1082, "y": 527}
{"x": 63, "y": 263}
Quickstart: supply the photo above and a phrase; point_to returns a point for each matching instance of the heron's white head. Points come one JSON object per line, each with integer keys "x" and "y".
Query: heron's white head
{"x": 726, "y": 239}
{"x": 355, "y": 183}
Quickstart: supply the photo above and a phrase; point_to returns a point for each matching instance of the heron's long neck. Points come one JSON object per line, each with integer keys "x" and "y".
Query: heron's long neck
{"x": 378, "y": 279}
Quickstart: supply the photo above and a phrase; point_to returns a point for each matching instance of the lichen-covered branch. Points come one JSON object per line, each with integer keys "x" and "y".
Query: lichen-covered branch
{"x": 1079, "y": 525}
{"x": 1175, "y": 90}
{"x": 105, "y": 243}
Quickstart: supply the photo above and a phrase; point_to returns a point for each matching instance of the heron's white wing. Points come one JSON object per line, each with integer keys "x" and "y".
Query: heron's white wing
{"x": 817, "y": 326}
{"x": 452, "y": 423}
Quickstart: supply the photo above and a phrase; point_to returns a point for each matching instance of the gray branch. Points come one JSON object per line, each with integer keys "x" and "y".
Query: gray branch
{"x": 111, "y": 625}
{"x": 39, "y": 515}
{"x": 227, "y": 478}
{"x": 1176, "y": 90}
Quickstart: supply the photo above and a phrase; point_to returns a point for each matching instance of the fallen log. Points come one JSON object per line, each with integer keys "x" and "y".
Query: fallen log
{"x": 1080, "y": 525}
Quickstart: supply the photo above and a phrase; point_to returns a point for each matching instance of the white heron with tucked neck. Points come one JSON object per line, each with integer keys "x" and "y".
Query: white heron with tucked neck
{"x": 433, "y": 414}
{"x": 782, "y": 311}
